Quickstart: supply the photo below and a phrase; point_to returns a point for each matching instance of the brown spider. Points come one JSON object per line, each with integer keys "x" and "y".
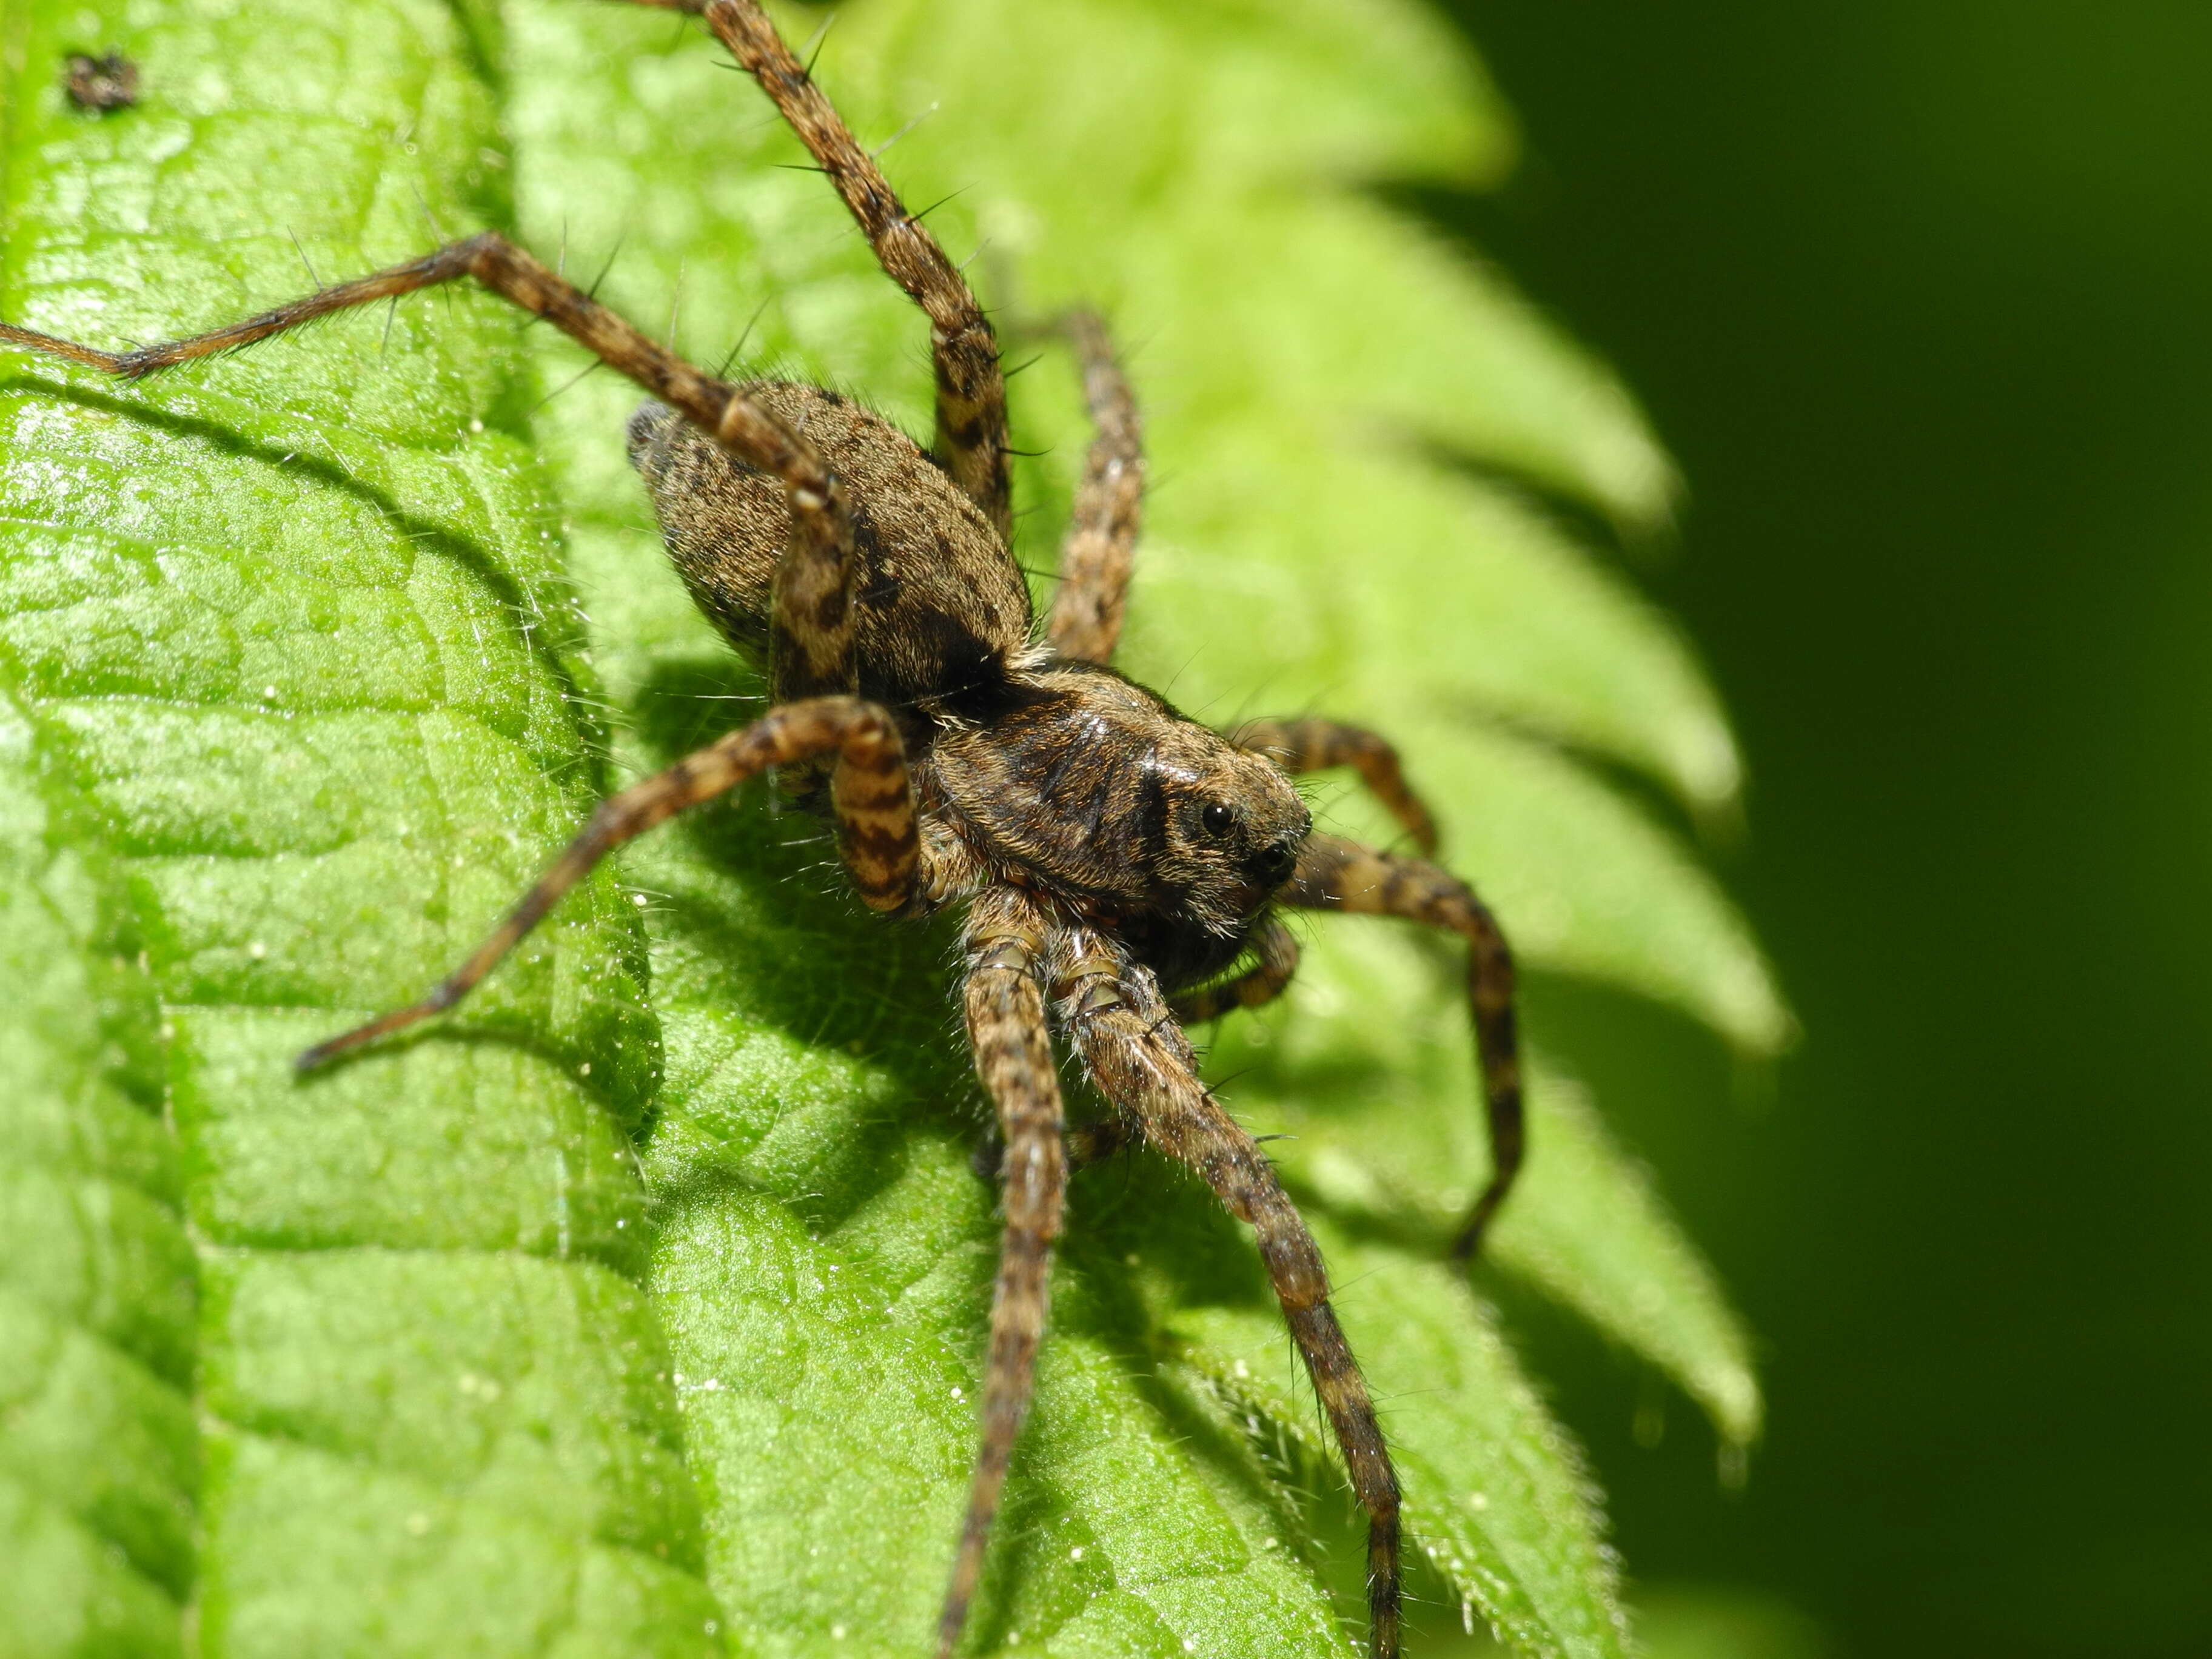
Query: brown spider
{"x": 1114, "y": 858}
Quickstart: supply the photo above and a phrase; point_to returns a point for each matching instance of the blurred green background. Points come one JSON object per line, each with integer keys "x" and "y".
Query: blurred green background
{"x": 1921, "y": 296}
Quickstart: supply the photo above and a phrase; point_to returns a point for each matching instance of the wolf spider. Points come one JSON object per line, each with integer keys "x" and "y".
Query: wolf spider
{"x": 1115, "y": 860}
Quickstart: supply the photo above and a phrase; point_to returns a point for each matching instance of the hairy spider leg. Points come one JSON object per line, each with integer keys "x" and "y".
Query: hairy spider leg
{"x": 1308, "y": 744}
{"x": 1004, "y": 996}
{"x": 1260, "y": 983}
{"x": 812, "y": 625}
{"x": 869, "y": 790}
{"x": 1112, "y": 1008}
{"x": 971, "y": 391}
{"x": 1340, "y": 875}
{"x": 1101, "y": 541}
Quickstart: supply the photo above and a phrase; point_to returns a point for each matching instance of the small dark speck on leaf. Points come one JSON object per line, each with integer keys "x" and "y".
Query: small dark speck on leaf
{"x": 108, "y": 81}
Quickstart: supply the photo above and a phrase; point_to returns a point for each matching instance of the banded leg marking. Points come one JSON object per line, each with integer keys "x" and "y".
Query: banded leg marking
{"x": 1004, "y": 997}
{"x": 1336, "y": 874}
{"x": 813, "y": 625}
{"x": 1113, "y": 1011}
{"x": 869, "y": 787}
{"x": 1102, "y": 536}
{"x": 1311, "y": 745}
{"x": 971, "y": 392}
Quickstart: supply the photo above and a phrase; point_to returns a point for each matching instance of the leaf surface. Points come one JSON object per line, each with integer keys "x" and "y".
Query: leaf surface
{"x": 1383, "y": 1129}
{"x": 1259, "y": 501}
{"x": 99, "y": 1459}
{"x": 292, "y": 626}
{"x": 689, "y": 1363}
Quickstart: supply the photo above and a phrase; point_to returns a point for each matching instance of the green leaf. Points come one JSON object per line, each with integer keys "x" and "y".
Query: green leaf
{"x": 825, "y": 1257}
{"x": 1583, "y": 1227}
{"x": 1493, "y": 1495}
{"x": 294, "y": 628}
{"x": 99, "y": 1457}
{"x": 687, "y": 1363}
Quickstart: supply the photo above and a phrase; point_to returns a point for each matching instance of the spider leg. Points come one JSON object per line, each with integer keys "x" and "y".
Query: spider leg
{"x": 812, "y": 624}
{"x": 1101, "y": 538}
{"x": 1113, "y": 1012}
{"x": 1262, "y": 983}
{"x": 1311, "y": 745}
{"x": 1003, "y": 995}
{"x": 1336, "y": 874}
{"x": 869, "y": 790}
{"x": 971, "y": 392}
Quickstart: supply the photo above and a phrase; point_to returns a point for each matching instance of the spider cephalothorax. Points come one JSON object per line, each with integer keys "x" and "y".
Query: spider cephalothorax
{"x": 1029, "y": 767}
{"x": 1109, "y": 853}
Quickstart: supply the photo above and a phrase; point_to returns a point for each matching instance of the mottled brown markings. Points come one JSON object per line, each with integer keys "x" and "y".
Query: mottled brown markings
{"x": 1141, "y": 1060}
{"x": 1109, "y": 850}
{"x": 952, "y": 614}
{"x": 1336, "y": 874}
{"x": 971, "y": 392}
{"x": 1094, "y": 788}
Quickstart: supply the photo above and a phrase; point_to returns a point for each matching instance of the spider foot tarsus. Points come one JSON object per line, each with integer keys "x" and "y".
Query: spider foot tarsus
{"x": 1142, "y": 1060}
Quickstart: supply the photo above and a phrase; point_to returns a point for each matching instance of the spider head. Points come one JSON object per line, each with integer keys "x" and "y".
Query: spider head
{"x": 1233, "y": 828}
{"x": 1101, "y": 791}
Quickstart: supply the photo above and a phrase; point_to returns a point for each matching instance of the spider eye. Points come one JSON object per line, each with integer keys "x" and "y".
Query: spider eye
{"x": 1217, "y": 819}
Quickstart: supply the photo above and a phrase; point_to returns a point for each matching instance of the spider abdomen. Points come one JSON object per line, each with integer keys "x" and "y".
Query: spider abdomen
{"x": 942, "y": 609}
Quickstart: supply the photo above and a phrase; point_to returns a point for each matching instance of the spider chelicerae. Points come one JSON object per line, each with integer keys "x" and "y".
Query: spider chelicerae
{"x": 1116, "y": 861}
